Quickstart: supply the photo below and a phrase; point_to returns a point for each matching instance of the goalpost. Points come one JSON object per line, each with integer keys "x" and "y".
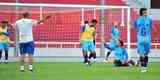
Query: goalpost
{"x": 61, "y": 32}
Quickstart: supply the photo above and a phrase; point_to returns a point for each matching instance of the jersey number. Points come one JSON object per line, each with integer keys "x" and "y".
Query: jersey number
{"x": 143, "y": 31}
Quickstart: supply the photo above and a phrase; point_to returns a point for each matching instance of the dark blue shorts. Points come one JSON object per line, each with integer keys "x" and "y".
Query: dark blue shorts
{"x": 27, "y": 48}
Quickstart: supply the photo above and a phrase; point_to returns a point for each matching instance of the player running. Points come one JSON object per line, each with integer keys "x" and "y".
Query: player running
{"x": 143, "y": 25}
{"x": 26, "y": 41}
{"x": 115, "y": 36}
{"x": 4, "y": 40}
{"x": 87, "y": 42}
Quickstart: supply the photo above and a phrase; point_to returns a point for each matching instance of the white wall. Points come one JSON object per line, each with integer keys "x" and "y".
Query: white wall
{"x": 74, "y": 55}
{"x": 155, "y": 14}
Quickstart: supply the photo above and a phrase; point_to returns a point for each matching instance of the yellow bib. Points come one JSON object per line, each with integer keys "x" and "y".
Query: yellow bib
{"x": 3, "y": 38}
{"x": 88, "y": 34}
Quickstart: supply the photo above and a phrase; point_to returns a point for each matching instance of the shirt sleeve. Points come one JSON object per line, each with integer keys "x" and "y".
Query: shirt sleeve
{"x": 35, "y": 22}
{"x": 15, "y": 24}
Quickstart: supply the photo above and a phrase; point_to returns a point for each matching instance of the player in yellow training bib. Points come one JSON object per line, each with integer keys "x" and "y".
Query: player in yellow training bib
{"x": 87, "y": 42}
{"x": 4, "y": 40}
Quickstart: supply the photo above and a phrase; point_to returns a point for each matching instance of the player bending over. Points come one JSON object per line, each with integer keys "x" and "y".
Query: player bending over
{"x": 4, "y": 40}
{"x": 115, "y": 35}
{"x": 144, "y": 26}
{"x": 122, "y": 56}
{"x": 87, "y": 42}
{"x": 26, "y": 41}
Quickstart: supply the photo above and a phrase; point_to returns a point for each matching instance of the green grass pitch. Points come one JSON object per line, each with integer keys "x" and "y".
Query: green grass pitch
{"x": 78, "y": 71}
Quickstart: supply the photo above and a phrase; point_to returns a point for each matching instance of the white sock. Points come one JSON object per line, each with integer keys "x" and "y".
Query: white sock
{"x": 144, "y": 68}
{"x": 21, "y": 67}
{"x": 6, "y": 60}
{"x": 30, "y": 67}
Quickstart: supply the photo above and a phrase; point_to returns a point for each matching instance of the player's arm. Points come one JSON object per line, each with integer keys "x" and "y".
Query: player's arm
{"x": 104, "y": 42}
{"x": 7, "y": 33}
{"x": 15, "y": 30}
{"x": 134, "y": 24}
{"x": 46, "y": 18}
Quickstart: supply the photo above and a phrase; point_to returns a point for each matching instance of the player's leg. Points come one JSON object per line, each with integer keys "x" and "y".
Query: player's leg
{"x": 92, "y": 50}
{"x": 92, "y": 47}
{"x": 22, "y": 62}
{"x": 147, "y": 49}
{"x": 30, "y": 51}
{"x": 108, "y": 53}
{"x": 143, "y": 63}
{"x": 85, "y": 55}
{"x": 146, "y": 60}
{"x": 142, "y": 57}
{"x": 141, "y": 52}
{"x": 6, "y": 56}
{"x": 30, "y": 62}
{"x": 94, "y": 41}
{"x": 123, "y": 64}
{"x": 117, "y": 62}
{"x": 0, "y": 55}
{"x": 1, "y": 50}
{"x": 130, "y": 62}
{"x": 90, "y": 55}
{"x": 22, "y": 56}
{"x": 6, "y": 48}
{"x": 137, "y": 62}
{"x": 85, "y": 51}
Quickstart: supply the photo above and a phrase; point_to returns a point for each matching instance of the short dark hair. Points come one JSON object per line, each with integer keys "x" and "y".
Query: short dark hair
{"x": 25, "y": 14}
{"x": 86, "y": 22}
{"x": 94, "y": 21}
{"x": 141, "y": 11}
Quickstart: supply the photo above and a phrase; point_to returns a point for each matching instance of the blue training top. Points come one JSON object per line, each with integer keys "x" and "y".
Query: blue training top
{"x": 121, "y": 54}
{"x": 115, "y": 33}
{"x": 143, "y": 25}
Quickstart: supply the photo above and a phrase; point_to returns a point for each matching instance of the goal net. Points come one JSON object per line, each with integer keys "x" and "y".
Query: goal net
{"x": 59, "y": 36}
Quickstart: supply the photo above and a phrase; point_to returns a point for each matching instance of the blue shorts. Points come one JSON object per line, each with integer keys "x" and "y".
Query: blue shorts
{"x": 27, "y": 48}
{"x": 143, "y": 46}
{"x": 88, "y": 46}
{"x": 4, "y": 46}
{"x": 112, "y": 45}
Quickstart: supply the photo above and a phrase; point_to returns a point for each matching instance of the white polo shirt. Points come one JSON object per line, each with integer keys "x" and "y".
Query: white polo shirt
{"x": 25, "y": 27}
